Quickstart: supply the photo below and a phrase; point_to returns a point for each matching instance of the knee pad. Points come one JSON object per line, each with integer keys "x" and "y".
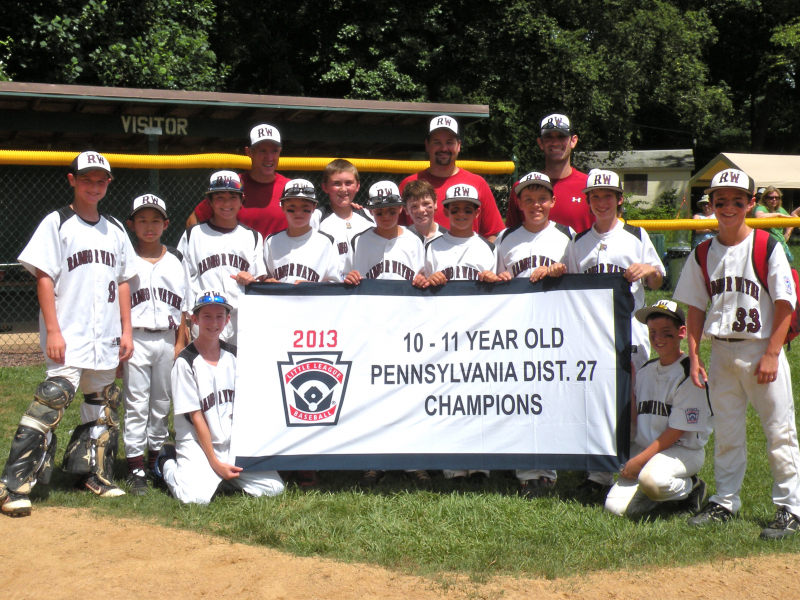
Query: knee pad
{"x": 110, "y": 400}
{"x": 50, "y": 400}
{"x": 85, "y": 455}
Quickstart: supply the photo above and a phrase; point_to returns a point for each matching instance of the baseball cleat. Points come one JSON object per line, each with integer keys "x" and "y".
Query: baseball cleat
{"x": 420, "y": 477}
{"x": 712, "y": 513}
{"x": 16, "y": 505}
{"x": 785, "y": 524}
{"x": 98, "y": 488}
{"x": 694, "y": 501}
{"x": 372, "y": 478}
{"x": 479, "y": 478}
{"x": 306, "y": 479}
{"x": 536, "y": 488}
{"x": 137, "y": 483}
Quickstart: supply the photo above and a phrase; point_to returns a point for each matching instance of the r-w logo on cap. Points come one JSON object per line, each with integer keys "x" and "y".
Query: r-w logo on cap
{"x": 384, "y": 192}
{"x": 443, "y": 121}
{"x": 600, "y": 179}
{"x": 149, "y": 200}
{"x": 557, "y": 120}
{"x": 265, "y": 132}
{"x": 95, "y": 159}
{"x": 460, "y": 191}
{"x": 729, "y": 178}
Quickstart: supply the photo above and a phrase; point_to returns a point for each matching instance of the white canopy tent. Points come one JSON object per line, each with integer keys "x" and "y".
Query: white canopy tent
{"x": 780, "y": 170}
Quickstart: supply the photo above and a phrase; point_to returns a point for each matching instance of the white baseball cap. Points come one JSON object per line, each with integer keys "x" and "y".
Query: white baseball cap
{"x": 299, "y": 188}
{"x": 90, "y": 161}
{"x": 534, "y": 178}
{"x": 149, "y": 201}
{"x": 384, "y": 194}
{"x": 461, "y": 191}
{"x": 443, "y": 122}
{"x": 265, "y": 133}
{"x": 663, "y": 307}
{"x": 210, "y": 298}
{"x": 731, "y": 178}
{"x": 704, "y": 199}
{"x": 601, "y": 179}
{"x": 557, "y": 122}
{"x": 224, "y": 181}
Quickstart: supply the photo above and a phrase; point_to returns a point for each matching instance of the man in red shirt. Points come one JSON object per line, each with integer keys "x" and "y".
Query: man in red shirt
{"x": 262, "y": 186}
{"x": 443, "y": 146}
{"x": 557, "y": 140}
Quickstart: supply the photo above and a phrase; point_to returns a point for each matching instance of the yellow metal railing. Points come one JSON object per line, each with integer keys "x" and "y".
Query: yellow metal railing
{"x": 676, "y": 224}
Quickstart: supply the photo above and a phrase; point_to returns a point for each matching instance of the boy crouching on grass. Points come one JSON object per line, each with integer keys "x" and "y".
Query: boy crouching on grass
{"x": 203, "y": 395}
{"x": 535, "y": 248}
{"x": 674, "y": 421}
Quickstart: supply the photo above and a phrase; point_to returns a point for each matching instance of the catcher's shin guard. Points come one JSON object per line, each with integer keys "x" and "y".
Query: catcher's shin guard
{"x": 31, "y": 454}
{"x": 86, "y": 455}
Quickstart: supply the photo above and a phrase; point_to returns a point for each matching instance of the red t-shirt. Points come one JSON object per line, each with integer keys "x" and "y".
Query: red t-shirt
{"x": 571, "y": 208}
{"x": 262, "y": 205}
{"x": 489, "y": 221}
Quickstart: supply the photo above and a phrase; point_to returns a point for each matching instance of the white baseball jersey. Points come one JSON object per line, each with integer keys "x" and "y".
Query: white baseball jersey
{"x": 400, "y": 258}
{"x": 343, "y": 232}
{"x": 666, "y": 397}
{"x": 197, "y": 385}
{"x": 520, "y": 252}
{"x": 613, "y": 252}
{"x": 211, "y": 255}
{"x": 87, "y": 262}
{"x": 439, "y": 232}
{"x": 308, "y": 257}
{"x": 459, "y": 258}
{"x": 159, "y": 292}
{"x": 740, "y": 307}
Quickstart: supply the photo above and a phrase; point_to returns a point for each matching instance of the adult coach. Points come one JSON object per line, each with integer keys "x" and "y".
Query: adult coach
{"x": 557, "y": 140}
{"x": 443, "y": 145}
{"x": 262, "y": 186}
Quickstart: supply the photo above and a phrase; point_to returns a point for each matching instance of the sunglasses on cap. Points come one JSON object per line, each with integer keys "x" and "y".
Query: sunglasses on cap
{"x": 550, "y": 126}
{"x": 299, "y": 191}
{"x": 223, "y": 183}
{"x": 389, "y": 198}
{"x": 209, "y": 299}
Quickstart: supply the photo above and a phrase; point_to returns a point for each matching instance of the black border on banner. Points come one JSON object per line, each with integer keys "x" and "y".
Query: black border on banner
{"x": 622, "y": 307}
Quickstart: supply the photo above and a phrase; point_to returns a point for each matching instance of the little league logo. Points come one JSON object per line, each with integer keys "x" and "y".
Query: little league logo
{"x": 313, "y": 386}
{"x": 692, "y": 416}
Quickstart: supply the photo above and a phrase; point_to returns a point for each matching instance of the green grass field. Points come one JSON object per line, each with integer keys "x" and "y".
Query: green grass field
{"x": 450, "y": 529}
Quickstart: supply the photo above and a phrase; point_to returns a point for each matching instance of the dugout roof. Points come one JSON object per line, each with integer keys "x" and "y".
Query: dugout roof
{"x": 780, "y": 170}
{"x": 36, "y": 116}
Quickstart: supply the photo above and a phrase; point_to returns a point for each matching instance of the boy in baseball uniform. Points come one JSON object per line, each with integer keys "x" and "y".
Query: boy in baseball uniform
{"x": 420, "y": 204}
{"x": 82, "y": 260}
{"x": 610, "y": 246}
{"x": 387, "y": 251}
{"x": 460, "y": 254}
{"x": 672, "y": 427}
{"x": 217, "y": 250}
{"x": 747, "y": 323}
{"x": 203, "y": 395}
{"x": 158, "y": 304}
{"x": 535, "y": 248}
{"x": 340, "y": 220}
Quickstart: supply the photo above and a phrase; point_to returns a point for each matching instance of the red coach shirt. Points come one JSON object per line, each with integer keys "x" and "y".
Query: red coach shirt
{"x": 489, "y": 221}
{"x": 262, "y": 205}
{"x": 571, "y": 208}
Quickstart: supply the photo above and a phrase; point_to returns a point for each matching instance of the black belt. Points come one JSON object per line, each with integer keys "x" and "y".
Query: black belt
{"x": 729, "y": 340}
{"x": 150, "y": 330}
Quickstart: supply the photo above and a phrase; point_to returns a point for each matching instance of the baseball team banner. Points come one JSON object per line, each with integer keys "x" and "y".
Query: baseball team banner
{"x": 465, "y": 376}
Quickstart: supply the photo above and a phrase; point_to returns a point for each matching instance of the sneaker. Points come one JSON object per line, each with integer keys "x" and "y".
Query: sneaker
{"x": 372, "y": 478}
{"x": 536, "y": 488}
{"x": 712, "y": 513}
{"x": 420, "y": 477}
{"x": 694, "y": 501}
{"x": 479, "y": 478}
{"x": 137, "y": 483}
{"x": 166, "y": 453}
{"x": 593, "y": 489}
{"x": 785, "y": 524}
{"x": 92, "y": 483}
{"x": 306, "y": 479}
{"x": 16, "y": 505}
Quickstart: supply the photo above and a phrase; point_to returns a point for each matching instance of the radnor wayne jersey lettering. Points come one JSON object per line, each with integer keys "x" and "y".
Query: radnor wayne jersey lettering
{"x": 159, "y": 292}
{"x": 459, "y": 258}
{"x": 87, "y": 262}
{"x": 342, "y": 232}
{"x": 666, "y": 397}
{"x": 308, "y": 257}
{"x": 197, "y": 385}
{"x": 400, "y": 258}
{"x": 520, "y": 251}
{"x": 211, "y": 255}
{"x": 740, "y": 307}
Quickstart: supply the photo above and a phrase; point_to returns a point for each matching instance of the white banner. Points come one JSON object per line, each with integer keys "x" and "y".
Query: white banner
{"x": 467, "y": 376}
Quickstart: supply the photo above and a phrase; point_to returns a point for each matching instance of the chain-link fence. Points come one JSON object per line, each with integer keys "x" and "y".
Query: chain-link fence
{"x": 29, "y": 193}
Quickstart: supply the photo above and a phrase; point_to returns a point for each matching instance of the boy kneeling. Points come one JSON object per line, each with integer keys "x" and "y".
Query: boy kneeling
{"x": 203, "y": 394}
{"x": 673, "y": 424}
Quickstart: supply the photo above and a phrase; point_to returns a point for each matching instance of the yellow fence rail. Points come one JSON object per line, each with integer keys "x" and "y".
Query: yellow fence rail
{"x": 684, "y": 224}
{"x": 236, "y": 161}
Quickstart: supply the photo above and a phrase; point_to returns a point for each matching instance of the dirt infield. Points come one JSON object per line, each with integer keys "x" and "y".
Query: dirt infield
{"x": 49, "y": 555}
